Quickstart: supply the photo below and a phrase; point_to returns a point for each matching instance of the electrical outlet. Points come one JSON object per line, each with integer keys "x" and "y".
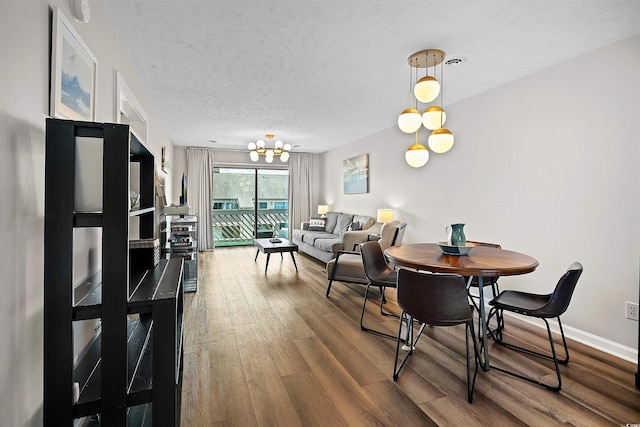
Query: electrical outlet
{"x": 632, "y": 311}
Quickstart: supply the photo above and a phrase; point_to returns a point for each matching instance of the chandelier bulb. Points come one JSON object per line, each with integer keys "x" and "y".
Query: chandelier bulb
{"x": 417, "y": 155}
{"x": 441, "y": 140}
{"x": 434, "y": 117}
{"x": 410, "y": 120}
{"x": 426, "y": 89}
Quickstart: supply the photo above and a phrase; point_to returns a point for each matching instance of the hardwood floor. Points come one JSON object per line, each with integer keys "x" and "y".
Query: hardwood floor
{"x": 273, "y": 350}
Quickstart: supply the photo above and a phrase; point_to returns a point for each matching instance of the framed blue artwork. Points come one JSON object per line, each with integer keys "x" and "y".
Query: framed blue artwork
{"x": 356, "y": 174}
{"x": 73, "y": 73}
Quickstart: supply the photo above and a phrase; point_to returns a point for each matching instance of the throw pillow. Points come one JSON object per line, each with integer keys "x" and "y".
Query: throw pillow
{"x": 355, "y": 226}
{"x": 316, "y": 224}
{"x": 343, "y": 223}
{"x": 332, "y": 218}
{"x": 365, "y": 221}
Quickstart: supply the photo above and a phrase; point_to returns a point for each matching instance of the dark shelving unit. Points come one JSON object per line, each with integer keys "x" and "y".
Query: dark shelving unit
{"x": 131, "y": 371}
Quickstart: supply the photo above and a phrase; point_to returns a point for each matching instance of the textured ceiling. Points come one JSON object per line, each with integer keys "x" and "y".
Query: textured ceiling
{"x": 322, "y": 73}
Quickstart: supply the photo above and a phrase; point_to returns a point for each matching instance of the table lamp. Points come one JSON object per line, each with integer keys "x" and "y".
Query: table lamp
{"x": 322, "y": 210}
{"x": 385, "y": 215}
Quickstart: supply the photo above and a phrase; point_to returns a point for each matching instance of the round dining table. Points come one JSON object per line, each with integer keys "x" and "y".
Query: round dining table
{"x": 480, "y": 262}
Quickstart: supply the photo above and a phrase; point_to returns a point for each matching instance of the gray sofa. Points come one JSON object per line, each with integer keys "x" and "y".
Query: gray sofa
{"x": 341, "y": 231}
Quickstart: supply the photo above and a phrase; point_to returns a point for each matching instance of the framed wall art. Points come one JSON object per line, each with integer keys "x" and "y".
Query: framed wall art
{"x": 356, "y": 174}
{"x": 73, "y": 73}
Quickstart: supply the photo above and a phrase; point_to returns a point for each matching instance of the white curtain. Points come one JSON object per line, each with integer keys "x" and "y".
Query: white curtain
{"x": 200, "y": 192}
{"x": 300, "y": 186}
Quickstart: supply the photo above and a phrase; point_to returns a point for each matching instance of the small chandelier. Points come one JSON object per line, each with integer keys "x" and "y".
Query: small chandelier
{"x": 258, "y": 148}
{"x": 426, "y": 90}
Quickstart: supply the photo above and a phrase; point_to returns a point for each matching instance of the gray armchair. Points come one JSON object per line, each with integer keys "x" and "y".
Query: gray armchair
{"x": 347, "y": 265}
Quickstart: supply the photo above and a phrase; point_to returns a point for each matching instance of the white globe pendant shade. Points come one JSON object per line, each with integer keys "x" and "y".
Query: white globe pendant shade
{"x": 268, "y": 159}
{"x": 416, "y": 155}
{"x": 287, "y": 147}
{"x": 441, "y": 140}
{"x": 410, "y": 120}
{"x": 427, "y": 89}
{"x": 254, "y": 156}
{"x": 252, "y": 146}
{"x": 284, "y": 157}
{"x": 434, "y": 117}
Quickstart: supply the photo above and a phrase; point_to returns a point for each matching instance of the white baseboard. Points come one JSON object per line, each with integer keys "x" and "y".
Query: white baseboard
{"x": 627, "y": 353}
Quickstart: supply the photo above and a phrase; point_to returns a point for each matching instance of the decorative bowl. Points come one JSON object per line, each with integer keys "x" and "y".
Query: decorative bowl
{"x": 449, "y": 249}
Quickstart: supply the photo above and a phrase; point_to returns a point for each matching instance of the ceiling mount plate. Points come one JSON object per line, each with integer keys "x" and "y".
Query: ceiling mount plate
{"x": 426, "y": 58}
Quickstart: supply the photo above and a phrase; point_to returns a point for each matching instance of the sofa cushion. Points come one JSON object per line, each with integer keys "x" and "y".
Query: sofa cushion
{"x": 317, "y": 224}
{"x": 332, "y": 218}
{"x": 325, "y": 244}
{"x": 364, "y": 221}
{"x": 310, "y": 237}
{"x": 349, "y": 269}
{"x": 298, "y": 233}
{"x": 343, "y": 223}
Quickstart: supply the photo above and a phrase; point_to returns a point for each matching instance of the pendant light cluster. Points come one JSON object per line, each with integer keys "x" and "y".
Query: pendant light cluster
{"x": 258, "y": 148}
{"x": 426, "y": 90}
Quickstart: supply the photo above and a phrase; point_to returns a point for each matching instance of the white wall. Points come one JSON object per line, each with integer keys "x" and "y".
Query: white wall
{"x": 548, "y": 165}
{"x": 24, "y": 104}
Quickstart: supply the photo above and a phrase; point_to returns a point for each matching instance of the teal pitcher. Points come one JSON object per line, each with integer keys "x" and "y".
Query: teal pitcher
{"x": 456, "y": 235}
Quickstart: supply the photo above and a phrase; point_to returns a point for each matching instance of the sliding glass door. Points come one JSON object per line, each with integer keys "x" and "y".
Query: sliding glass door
{"x": 248, "y": 204}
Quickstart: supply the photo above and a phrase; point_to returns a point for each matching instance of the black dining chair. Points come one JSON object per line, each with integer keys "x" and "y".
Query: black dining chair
{"x": 379, "y": 274}
{"x": 543, "y": 307}
{"x": 440, "y": 300}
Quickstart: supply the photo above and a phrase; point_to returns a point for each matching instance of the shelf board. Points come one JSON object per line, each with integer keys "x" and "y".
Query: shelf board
{"x": 140, "y": 415}
{"x": 87, "y": 219}
{"x": 88, "y": 298}
{"x": 139, "y": 354}
{"x": 88, "y": 374}
{"x": 141, "y": 211}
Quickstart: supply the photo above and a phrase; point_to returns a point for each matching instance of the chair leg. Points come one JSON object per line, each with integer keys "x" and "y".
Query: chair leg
{"x": 554, "y": 357}
{"x": 364, "y": 306}
{"x": 333, "y": 275}
{"x": 383, "y": 301}
{"x": 409, "y": 339}
{"x": 471, "y": 381}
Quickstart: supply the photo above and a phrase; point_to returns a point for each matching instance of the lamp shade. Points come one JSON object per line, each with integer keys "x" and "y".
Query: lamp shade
{"x": 441, "y": 140}
{"x": 260, "y": 144}
{"x": 284, "y": 157}
{"x": 417, "y": 155}
{"x": 434, "y": 117}
{"x": 385, "y": 215}
{"x": 427, "y": 89}
{"x": 323, "y": 209}
{"x": 254, "y": 156}
{"x": 409, "y": 120}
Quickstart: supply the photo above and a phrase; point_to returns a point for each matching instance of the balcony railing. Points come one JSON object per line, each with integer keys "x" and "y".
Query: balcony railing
{"x": 236, "y": 226}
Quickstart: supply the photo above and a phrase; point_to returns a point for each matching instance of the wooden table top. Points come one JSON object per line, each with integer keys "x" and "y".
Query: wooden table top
{"x": 481, "y": 261}
{"x": 266, "y": 246}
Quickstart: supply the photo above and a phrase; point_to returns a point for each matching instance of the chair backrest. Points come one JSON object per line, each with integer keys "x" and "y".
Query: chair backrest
{"x": 434, "y": 298}
{"x": 561, "y": 296}
{"x": 392, "y": 234}
{"x": 375, "y": 266}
